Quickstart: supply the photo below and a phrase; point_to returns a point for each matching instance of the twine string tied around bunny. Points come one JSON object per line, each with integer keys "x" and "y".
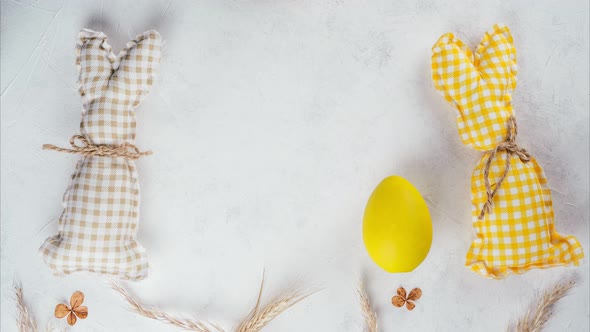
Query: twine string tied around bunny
{"x": 509, "y": 145}
{"x": 87, "y": 148}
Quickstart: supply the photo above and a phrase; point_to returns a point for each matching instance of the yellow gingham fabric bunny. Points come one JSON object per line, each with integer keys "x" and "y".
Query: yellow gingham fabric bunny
{"x": 511, "y": 201}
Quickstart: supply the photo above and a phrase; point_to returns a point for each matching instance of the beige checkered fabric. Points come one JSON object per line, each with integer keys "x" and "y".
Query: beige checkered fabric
{"x": 98, "y": 225}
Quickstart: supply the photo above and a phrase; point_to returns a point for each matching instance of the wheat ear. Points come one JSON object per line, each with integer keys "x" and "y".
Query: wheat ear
{"x": 259, "y": 317}
{"x": 541, "y": 310}
{"x": 368, "y": 313}
{"x": 159, "y": 315}
{"x": 24, "y": 319}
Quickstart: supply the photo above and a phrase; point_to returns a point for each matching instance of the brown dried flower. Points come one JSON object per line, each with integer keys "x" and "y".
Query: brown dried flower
{"x": 400, "y": 299}
{"x": 75, "y": 311}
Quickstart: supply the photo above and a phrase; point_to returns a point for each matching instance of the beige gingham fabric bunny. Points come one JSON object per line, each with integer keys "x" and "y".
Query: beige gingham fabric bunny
{"x": 98, "y": 225}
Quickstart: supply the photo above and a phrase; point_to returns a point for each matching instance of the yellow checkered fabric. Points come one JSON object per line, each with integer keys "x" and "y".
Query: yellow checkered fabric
{"x": 518, "y": 234}
{"x": 97, "y": 228}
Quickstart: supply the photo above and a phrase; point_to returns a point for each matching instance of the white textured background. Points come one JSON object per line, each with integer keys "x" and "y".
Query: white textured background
{"x": 271, "y": 123}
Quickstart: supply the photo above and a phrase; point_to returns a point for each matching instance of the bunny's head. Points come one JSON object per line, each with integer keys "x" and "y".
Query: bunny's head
{"x": 112, "y": 86}
{"x": 478, "y": 85}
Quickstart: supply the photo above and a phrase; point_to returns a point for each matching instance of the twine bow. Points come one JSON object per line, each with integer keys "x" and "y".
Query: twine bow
{"x": 511, "y": 148}
{"x": 87, "y": 148}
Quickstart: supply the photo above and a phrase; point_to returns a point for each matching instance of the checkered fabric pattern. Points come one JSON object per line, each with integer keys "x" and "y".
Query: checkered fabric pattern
{"x": 519, "y": 233}
{"x": 98, "y": 225}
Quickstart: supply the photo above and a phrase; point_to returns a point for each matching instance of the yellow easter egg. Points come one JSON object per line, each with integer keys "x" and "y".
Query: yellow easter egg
{"x": 397, "y": 229}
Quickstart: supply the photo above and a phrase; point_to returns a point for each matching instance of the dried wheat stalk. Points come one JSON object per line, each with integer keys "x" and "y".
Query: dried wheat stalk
{"x": 254, "y": 322}
{"x": 24, "y": 319}
{"x": 260, "y": 317}
{"x": 369, "y": 315}
{"x": 543, "y": 308}
{"x": 157, "y": 314}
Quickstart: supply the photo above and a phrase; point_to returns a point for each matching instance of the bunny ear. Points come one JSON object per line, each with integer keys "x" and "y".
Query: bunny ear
{"x": 453, "y": 71}
{"x": 495, "y": 58}
{"x": 138, "y": 64}
{"x": 95, "y": 63}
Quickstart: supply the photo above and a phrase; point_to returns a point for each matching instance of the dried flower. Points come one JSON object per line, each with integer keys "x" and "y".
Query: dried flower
{"x": 400, "y": 299}
{"x": 75, "y": 311}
